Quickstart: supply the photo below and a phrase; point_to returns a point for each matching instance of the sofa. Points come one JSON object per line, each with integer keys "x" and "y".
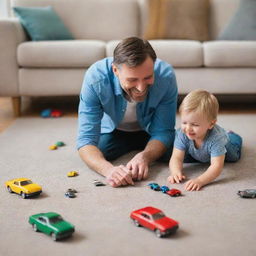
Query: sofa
{"x": 57, "y": 67}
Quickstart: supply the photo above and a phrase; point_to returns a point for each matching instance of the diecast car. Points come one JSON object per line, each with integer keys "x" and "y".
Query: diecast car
{"x": 71, "y": 193}
{"x": 248, "y": 193}
{"x": 164, "y": 189}
{"x": 72, "y": 174}
{"x": 154, "y": 219}
{"x": 52, "y": 224}
{"x": 154, "y": 186}
{"x": 174, "y": 192}
{"x": 24, "y": 187}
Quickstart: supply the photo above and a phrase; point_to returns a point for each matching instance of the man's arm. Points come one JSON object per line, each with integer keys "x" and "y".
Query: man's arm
{"x": 116, "y": 175}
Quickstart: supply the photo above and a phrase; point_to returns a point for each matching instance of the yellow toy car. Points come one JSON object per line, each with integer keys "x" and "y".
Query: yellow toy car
{"x": 72, "y": 174}
{"x": 24, "y": 187}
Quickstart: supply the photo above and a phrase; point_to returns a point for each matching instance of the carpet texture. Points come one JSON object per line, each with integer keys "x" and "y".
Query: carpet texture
{"x": 213, "y": 221}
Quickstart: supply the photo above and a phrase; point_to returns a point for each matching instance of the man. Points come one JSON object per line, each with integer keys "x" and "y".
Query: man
{"x": 127, "y": 103}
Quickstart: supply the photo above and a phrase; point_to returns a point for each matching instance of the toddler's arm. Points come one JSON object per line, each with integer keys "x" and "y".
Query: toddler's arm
{"x": 175, "y": 166}
{"x": 208, "y": 176}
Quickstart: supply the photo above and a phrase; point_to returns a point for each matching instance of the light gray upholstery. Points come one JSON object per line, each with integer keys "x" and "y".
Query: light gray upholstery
{"x": 57, "y": 67}
{"x": 78, "y": 53}
{"x": 94, "y": 19}
{"x": 230, "y": 54}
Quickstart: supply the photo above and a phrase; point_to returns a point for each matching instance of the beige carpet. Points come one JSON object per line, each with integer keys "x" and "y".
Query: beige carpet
{"x": 213, "y": 221}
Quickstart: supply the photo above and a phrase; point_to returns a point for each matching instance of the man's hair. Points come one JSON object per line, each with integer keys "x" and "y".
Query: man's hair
{"x": 133, "y": 51}
{"x": 202, "y": 102}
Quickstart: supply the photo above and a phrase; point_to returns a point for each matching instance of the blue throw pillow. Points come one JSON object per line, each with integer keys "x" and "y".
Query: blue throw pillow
{"x": 42, "y": 23}
{"x": 242, "y": 25}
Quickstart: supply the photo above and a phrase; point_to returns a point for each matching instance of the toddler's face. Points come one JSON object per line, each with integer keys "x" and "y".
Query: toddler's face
{"x": 195, "y": 125}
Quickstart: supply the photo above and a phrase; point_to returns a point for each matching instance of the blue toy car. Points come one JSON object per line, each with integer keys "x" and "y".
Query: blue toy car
{"x": 164, "y": 189}
{"x": 46, "y": 113}
{"x": 154, "y": 186}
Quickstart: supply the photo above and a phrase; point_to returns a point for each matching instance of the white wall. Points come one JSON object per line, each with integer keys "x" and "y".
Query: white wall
{"x": 3, "y": 8}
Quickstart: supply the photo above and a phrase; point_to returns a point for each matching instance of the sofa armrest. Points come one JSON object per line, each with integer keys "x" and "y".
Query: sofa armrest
{"x": 12, "y": 34}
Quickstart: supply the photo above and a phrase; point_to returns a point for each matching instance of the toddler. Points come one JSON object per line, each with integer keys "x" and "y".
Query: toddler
{"x": 200, "y": 139}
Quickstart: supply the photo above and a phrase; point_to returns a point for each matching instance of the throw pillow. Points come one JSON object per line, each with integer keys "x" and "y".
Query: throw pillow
{"x": 242, "y": 25}
{"x": 42, "y": 23}
{"x": 177, "y": 19}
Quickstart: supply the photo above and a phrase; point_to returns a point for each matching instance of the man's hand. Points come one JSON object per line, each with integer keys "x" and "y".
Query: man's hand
{"x": 138, "y": 167}
{"x": 119, "y": 176}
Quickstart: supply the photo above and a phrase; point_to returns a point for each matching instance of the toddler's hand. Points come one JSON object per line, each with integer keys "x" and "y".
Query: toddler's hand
{"x": 176, "y": 178}
{"x": 193, "y": 184}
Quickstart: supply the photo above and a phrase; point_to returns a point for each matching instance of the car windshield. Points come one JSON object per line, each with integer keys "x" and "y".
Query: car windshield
{"x": 55, "y": 219}
{"x": 25, "y": 182}
{"x": 158, "y": 215}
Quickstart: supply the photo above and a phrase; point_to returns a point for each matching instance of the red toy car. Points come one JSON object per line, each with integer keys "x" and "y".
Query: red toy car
{"x": 56, "y": 113}
{"x": 154, "y": 219}
{"x": 174, "y": 192}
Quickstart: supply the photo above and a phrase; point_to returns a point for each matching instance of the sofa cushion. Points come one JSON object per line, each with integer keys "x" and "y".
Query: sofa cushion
{"x": 242, "y": 25}
{"x": 42, "y": 23}
{"x": 111, "y": 19}
{"x": 178, "y": 19}
{"x": 179, "y": 53}
{"x": 229, "y": 54}
{"x": 76, "y": 53}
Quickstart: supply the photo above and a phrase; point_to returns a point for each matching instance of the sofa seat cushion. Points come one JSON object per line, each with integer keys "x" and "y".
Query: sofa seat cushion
{"x": 60, "y": 54}
{"x": 230, "y": 53}
{"x": 179, "y": 53}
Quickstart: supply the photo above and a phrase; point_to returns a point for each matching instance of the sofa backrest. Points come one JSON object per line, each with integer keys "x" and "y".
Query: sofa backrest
{"x": 220, "y": 13}
{"x": 94, "y": 19}
{"x": 116, "y": 19}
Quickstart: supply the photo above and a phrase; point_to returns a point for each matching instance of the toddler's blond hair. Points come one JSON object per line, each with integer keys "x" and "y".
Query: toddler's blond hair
{"x": 201, "y": 101}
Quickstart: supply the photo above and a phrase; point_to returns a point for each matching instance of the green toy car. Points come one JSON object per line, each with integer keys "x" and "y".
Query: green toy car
{"x": 52, "y": 224}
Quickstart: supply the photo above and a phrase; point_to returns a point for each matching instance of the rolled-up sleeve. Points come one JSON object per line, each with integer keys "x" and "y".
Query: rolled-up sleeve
{"x": 89, "y": 116}
{"x": 162, "y": 127}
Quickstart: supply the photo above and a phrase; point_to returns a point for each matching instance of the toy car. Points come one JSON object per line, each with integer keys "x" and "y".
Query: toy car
{"x": 52, "y": 224}
{"x": 46, "y": 113}
{"x": 59, "y": 144}
{"x": 164, "y": 189}
{"x": 71, "y": 193}
{"x": 248, "y": 193}
{"x": 154, "y": 186}
{"x": 72, "y": 174}
{"x": 174, "y": 192}
{"x": 98, "y": 183}
{"x": 154, "y": 219}
{"x": 56, "y": 113}
{"x": 24, "y": 187}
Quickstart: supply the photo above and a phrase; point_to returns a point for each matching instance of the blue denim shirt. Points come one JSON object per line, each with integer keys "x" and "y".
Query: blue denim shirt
{"x": 102, "y": 104}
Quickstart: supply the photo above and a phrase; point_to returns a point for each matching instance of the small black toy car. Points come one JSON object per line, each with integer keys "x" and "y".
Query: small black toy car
{"x": 71, "y": 193}
{"x": 248, "y": 193}
{"x": 98, "y": 183}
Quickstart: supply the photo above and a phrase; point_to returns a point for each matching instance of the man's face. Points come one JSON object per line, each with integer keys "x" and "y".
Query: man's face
{"x": 135, "y": 81}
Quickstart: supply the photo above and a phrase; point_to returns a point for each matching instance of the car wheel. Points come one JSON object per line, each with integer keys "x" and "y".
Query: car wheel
{"x": 35, "y": 227}
{"x": 23, "y": 195}
{"x": 9, "y": 189}
{"x": 158, "y": 233}
{"x": 54, "y": 237}
{"x": 136, "y": 223}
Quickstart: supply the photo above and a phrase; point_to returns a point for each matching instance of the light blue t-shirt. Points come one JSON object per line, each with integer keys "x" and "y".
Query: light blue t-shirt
{"x": 213, "y": 145}
{"x": 103, "y": 104}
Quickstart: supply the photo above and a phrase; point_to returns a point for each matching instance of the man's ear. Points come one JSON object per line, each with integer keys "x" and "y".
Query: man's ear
{"x": 213, "y": 122}
{"x": 115, "y": 69}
